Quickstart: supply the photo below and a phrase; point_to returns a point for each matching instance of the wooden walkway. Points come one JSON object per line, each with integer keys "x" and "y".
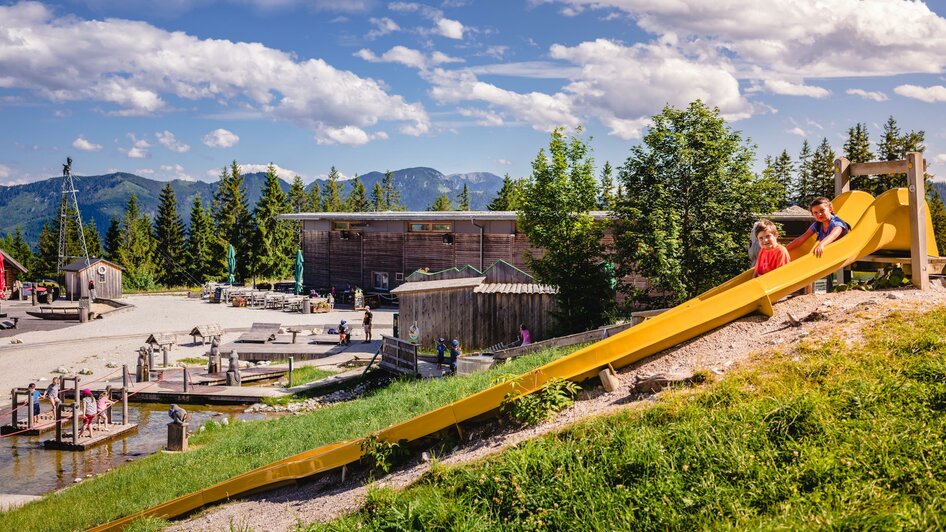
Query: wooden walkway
{"x": 280, "y": 351}
{"x": 173, "y": 392}
{"x": 98, "y": 438}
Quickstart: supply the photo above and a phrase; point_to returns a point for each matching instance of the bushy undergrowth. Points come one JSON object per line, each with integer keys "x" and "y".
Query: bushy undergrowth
{"x": 834, "y": 437}
{"x": 222, "y": 452}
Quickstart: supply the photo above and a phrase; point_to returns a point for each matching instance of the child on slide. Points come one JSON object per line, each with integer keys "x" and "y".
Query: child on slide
{"x": 771, "y": 254}
{"x": 828, "y": 226}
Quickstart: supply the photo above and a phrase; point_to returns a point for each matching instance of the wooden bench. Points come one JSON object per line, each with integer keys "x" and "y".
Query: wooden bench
{"x": 260, "y": 333}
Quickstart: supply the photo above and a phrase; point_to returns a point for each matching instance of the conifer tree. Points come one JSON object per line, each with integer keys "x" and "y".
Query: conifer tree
{"x": 202, "y": 266}
{"x": 392, "y": 198}
{"x": 857, "y": 150}
{"x": 113, "y": 239}
{"x": 378, "y": 202}
{"x": 315, "y": 198}
{"x": 822, "y": 170}
{"x": 357, "y": 198}
{"x": 136, "y": 252}
{"x": 93, "y": 241}
{"x": 508, "y": 197}
{"x": 232, "y": 219}
{"x": 298, "y": 202}
{"x": 806, "y": 187}
{"x": 332, "y": 195}
{"x": 442, "y": 203}
{"x": 18, "y": 248}
{"x": 274, "y": 248}
{"x": 463, "y": 199}
{"x": 47, "y": 251}
{"x": 783, "y": 171}
{"x": 606, "y": 198}
{"x": 169, "y": 240}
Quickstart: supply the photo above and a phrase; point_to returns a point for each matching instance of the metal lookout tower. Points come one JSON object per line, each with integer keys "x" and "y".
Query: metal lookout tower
{"x": 69, "y": 200}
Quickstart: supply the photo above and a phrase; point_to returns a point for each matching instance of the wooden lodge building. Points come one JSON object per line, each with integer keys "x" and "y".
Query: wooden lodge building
{"x": 376, "y": 251}
{"x": 106, "y": 276}
{"x": 12, "y": 272}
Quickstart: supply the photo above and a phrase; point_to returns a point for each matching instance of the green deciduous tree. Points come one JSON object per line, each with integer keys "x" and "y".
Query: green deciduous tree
{"x": 273, "y": 244}
{"x": 202, "y": 264}
{"x": 554, "y": 215}
{"x": 690, "y": 200}
{"x": 442, "y": 203}
{"x": 136, "y": 248}
{"x": 509, "y": 196}
{"x": 169, "y": 239}
{"x": 357, "y": 200}
{"x": 18, "y": 248}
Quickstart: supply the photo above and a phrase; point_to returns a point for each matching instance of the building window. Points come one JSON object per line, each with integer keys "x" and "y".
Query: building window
{"x": 379, "y": 280}
{"x": 341, "y": 226}
{"x": 399, "y": 276}
{"x": 426, "y": 227}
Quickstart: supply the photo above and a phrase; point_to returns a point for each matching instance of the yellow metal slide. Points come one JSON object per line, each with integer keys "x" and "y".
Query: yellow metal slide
{"x": 880, "y": 223}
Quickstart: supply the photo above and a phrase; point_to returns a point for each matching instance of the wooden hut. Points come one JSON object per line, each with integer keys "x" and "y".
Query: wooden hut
{"x": 478, "y": 309}
{"x": 106, "y": 275}
{"x": 12, "y": 271}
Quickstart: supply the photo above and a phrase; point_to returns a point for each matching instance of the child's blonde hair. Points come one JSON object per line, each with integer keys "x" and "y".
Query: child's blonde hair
{"x": 765, "y": 225}
{"x": 821, "y": 200}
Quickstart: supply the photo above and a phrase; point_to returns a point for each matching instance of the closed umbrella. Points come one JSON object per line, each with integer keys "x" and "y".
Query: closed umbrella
{"x": 231, "y": 264}
{"x": 298, "y": 271}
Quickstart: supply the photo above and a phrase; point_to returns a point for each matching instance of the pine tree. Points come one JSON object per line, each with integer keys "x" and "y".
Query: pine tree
{"x": 937, "y": 212}
{"x": 806, "y": 187}
{"x": 113, "y": 239}
{"x": 93, "y": 241}
{"x": 606, "y": 198}
{"x": 232, "y": 220}
{"x": 332, "y": 195}
{"x": 508, "y": 197}
{"x": 442, "y": 203}
{"x": 783, "y": 171}
{"x": 315, "y": 198}
{"x": 169, "y": 240}
{"x": 136, "y": 252}
{"x": 857, "y": 150}
{"x": 463, "y": 199}
{"x": 273, "y": 238}
{"x": 47, "y": 251}
{"x": 558, "y": 195}
{"x": 690, "y": 200}
{"x": 202, "y": 266}
{"x": 822, "y": 170}
{"x": 357, "y": 198}
{"x": 378, "y": 202}
{"x": 18, "y": 248}
{"x": 298, "y": 202}
{"x": 392, "y": 198}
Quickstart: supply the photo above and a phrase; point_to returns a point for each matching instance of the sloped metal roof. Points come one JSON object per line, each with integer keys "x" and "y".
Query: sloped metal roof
{"x": 419, "y": 286}
{"x": 515, "y": 288}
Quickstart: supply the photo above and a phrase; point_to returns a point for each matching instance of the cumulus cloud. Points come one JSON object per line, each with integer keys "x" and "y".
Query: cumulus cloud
{"x": 382, "y": 26}
{"x": 451, "y": 29}
{"x": 797, "y": 131}
{"x": 504, "y": 162}
{"x": 283, "y": 173}
{"x": 936, "y": 93}
{"x": 788, "y": 88}
{"x": 221, "y": 138}
{"x": 176, "y": 171}
{"x": 350, "y": 135}
{"x": 139, "y": 147}
{"x": 169, "y": 141}
{"x": 407, "y": 57}
{"x": 84, "y": 145}
{"x": 877, "y": 96}
{"x": 445, "y": 27}
{"x": 939, "y": 159}
{"x": 134, "y": 68}
{"x": 483, "y": 117}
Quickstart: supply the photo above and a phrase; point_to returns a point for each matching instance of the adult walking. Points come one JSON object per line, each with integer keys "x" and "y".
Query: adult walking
{"x": 366, "y": 323}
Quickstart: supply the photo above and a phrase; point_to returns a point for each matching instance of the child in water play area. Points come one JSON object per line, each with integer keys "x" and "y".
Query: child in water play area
{"x": 828, "y": 226}
{"x": 441, "y": 351}
{"x": 455, "y": 353}
{"x": 89, "y": 411}
{"x": 771, "y": 254}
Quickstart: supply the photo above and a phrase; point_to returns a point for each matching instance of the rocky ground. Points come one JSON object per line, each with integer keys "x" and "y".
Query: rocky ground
{"x": 721, "y": 351}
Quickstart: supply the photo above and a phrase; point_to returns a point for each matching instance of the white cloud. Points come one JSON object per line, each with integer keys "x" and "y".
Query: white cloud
{"x": 939, "y": 159}
{"x": 451, "y": 29}
{"x": 84, "y": 145}
{"x": 221, "y": 138}
{"x": 349, "y": 135}
{"x": 407, "y": 57}
{"x": 797, "y": 131}
{"x": 133, "y": 68}
{"x": 936, "y": 93}
{"x": 504, "y": 162}
{"x": 788, "y": 88}
{"x": 529, "y": 69}
{"x": 284, "y": 173}
{"x": 382, "y": 26}
{"x": 5, "y": 171}
{"x": 144, "y": 171}
{"x": 139, "y": 147}
{"x": 176, "y": 171}
{"x": 877, "y": 96}
{"x": 484, "y": 117}
{"x": 169, "y": 141}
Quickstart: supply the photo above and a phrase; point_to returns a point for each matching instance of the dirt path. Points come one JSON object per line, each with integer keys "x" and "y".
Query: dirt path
{"x": 722, "y": 351}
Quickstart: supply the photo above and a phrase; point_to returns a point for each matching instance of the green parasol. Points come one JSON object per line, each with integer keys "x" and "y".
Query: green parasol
{"x": 298, "y": 271}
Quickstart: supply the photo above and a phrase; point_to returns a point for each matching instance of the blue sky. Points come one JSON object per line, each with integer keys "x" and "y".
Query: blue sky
{"x": 178, "y": 91}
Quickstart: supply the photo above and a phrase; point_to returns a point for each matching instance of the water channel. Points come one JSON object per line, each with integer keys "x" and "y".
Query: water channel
{"x": 28, "y": 469}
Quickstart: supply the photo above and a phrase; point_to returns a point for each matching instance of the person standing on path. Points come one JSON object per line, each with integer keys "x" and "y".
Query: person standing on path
{"x": 366, "y": 323}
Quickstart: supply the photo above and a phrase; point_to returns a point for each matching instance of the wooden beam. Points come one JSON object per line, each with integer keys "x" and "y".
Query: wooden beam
{"x": 842, "y": 176}
{"x": 879, "y": 168}
{"x": 917, "y": 190}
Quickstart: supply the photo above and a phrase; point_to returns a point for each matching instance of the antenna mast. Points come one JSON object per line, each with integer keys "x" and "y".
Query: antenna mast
{"x": 69, "y": 193}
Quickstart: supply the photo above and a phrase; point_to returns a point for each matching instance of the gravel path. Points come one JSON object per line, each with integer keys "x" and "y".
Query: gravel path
{"x": 721, "y": 350}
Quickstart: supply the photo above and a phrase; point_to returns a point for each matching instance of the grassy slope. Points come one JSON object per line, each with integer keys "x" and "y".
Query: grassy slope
{"x": 839, "y": 437}
{"x": 223, "y": 452}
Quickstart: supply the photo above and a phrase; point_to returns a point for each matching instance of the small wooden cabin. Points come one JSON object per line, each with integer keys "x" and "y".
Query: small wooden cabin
{"x": 106, "y": 275}
{"x": 478, "y": 309}
{"x": 12, "y": 270}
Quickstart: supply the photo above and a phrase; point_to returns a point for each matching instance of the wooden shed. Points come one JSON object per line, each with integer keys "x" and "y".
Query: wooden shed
{"x": 478, "y": 309}
{"x": 106, "y": 275}
{"x": 12, "y": 271}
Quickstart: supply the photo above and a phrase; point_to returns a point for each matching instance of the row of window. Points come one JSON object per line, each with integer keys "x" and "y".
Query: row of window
{"x": 418, "y": 227}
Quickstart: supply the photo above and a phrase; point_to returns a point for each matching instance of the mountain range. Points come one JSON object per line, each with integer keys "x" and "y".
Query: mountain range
{"x": 103, "y": 197}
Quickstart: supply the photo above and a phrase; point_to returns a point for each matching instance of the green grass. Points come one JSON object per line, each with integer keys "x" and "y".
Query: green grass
{"x": 306, "y": 374}
{"x": 221, "y": 452}
{"x": 191, "y": 361}
{"x": 839, "y": 438}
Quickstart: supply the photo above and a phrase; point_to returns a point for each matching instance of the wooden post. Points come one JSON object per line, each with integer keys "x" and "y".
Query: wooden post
{"x": 290, "y": 371}
{"x": 16, "y": 407}
{"x": 185, "y": 380}
{"x": 164, "y": 354}
{"x": 919, "y": 258}
{"x": 125, "y": 382}
{"x": 59, "y": 408}
{"x": 75, "y": 414}
{"x": 842, "y": 184}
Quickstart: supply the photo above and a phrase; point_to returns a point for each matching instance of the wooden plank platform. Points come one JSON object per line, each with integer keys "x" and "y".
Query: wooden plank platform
{"x": 98, "y": 438}
{"x": 173, "y": 392}
{"x": 936, "y": 264}
{"x": 257, "y": 352}
{"x": 21, "y": 430}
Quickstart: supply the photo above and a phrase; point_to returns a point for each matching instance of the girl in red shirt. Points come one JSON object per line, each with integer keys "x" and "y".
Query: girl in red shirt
{"x": 772, "y": 255}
